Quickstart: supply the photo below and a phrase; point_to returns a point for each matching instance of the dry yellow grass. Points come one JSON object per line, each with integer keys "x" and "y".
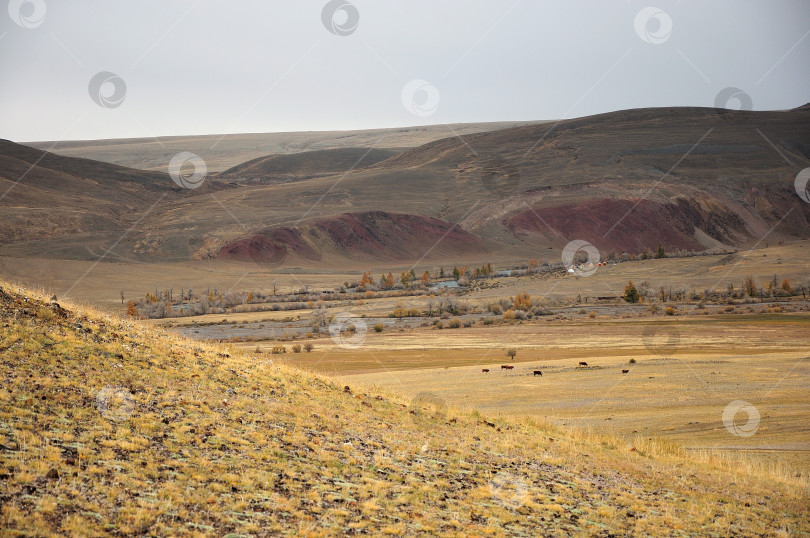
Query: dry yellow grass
{"x": 109, "y": 427}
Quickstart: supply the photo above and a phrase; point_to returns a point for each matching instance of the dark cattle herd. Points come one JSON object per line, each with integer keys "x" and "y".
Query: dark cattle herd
{"x": 537, "y": 372}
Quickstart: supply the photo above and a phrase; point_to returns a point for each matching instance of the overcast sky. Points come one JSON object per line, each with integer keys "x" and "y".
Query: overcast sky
{"x": 205, "y": 67}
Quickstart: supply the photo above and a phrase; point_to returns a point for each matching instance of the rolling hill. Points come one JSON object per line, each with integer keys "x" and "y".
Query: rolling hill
{"x": 308, "y": 164}
{"x": 691, "y": 172}
{"x": 109, "y": 427}
{"x": 225, "y": 151}
{"x": 688, "y": 179}
{"x": 45, "y": 195}
{"x": 66, "y": 207}
{"x": 684, "y": 178}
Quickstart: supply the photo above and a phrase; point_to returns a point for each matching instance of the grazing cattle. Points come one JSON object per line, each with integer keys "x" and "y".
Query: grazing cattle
{"x": 485, "y": 370}
{"x": 538, "y": 372}
{"x": 506, "y": 367}
{"x": 625, "y": 371}
{"x": 583, "y": 363}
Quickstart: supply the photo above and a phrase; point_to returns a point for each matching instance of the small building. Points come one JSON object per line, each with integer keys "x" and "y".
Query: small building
{"x": 444, "y": 284}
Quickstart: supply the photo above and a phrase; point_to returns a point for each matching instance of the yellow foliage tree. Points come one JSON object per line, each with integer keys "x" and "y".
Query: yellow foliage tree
{"x": 523, "y": 301}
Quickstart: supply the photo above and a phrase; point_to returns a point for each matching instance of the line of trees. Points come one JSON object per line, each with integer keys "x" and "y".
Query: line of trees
{"x": 750, "y": 288}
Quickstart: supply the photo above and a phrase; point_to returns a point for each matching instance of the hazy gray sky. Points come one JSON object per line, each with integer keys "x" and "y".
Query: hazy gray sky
{"x": 202, "y": 67}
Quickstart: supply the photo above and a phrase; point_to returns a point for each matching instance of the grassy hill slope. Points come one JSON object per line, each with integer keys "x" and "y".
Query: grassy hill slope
{"x": 309, "y": 163}
{"x": 107, "y": 427}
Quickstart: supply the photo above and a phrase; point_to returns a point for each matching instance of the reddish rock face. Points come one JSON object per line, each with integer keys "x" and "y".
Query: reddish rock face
{"x": 632, "y": 225}
{"x": 374, "y": 234}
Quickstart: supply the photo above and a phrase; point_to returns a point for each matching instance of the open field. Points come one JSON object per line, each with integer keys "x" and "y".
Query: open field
{"x": 687, "y": 371}
{"x": 679, "y": 399}
{"x": 101, "y": 283}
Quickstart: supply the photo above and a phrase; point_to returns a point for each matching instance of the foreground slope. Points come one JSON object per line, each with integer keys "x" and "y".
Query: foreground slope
{"x": 108, "y": 427}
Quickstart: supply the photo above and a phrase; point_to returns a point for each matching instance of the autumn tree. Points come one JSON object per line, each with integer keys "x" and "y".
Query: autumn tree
{"x": 523, "y": 301}
{"x": 425, "y": 280}
{"x": 786, "y": 286}
{"x": 389, "y": 280}
{"x": 366, "y": 280}
{"x": 631, "y": 294}
{"x": 132, "y": 311}
{"x": 456, "y": 273}
{"x": 750, "y": 286}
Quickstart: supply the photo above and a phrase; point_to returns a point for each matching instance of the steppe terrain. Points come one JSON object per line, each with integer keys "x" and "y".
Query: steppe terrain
{"x": 298, "y": 344}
